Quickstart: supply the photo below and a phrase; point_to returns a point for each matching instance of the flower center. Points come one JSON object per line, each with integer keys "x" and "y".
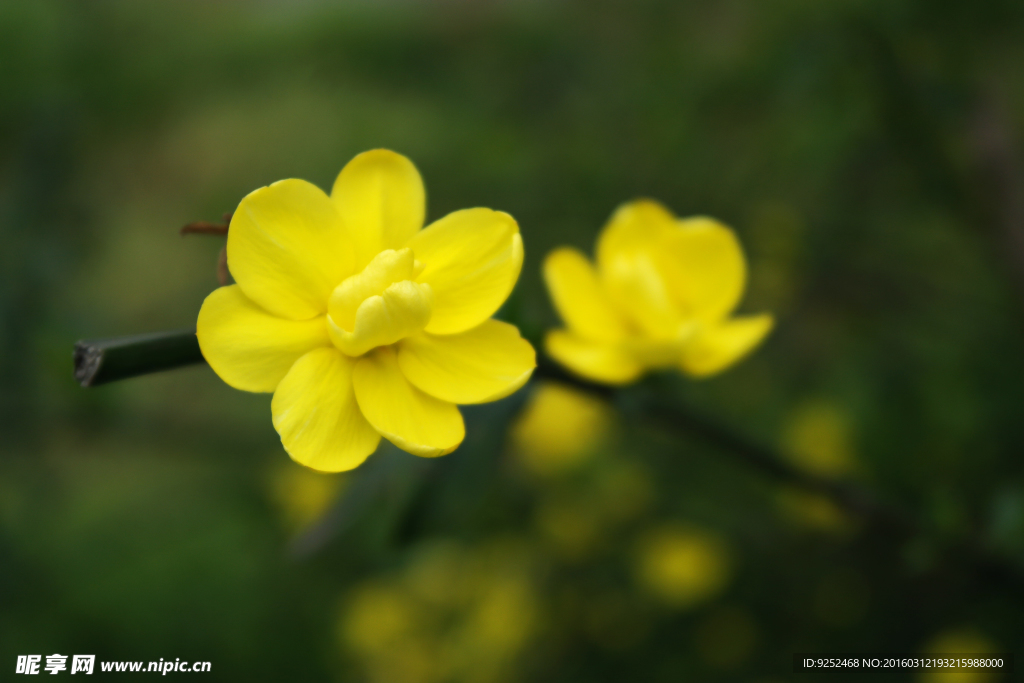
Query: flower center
{"x": 380, "y": 305}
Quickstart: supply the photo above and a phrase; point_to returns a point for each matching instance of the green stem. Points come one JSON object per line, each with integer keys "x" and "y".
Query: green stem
{"x": 108, "y": 360}
{"x": 97, "y": 362}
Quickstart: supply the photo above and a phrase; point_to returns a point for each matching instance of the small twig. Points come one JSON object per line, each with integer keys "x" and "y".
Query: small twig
{"x": 204, "y": 228}
{"x": 107, "y": 360}
{"x": 223, "y": 274}
{"x": 208, "y": 228}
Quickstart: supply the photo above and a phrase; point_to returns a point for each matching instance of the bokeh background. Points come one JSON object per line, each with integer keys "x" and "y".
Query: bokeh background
{"x": 868, "y": 154}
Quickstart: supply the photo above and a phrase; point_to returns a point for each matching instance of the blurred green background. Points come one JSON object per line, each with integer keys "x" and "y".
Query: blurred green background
{"x": 864, "y": 150}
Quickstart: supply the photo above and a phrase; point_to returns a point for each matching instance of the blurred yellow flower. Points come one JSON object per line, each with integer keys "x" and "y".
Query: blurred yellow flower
{"x": 385, "y": 625}
{"x": 381, "y": 616}
{"x": 559, "y": 428}
{"x": 682, "y": 566}
{"x": 661, "y": 296}
{"x": 452, "y": 614}
{"x": 360, "y": 323}
{"x": 302, "y": 495}
{"x": 959, "y": 642}
{"x": 817, "y": 439}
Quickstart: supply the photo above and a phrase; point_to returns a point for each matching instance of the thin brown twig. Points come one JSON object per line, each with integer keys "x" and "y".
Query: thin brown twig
{"x": 205, "y": 228}
{"x": 208, "y": 228}
{"x": 223, "y": 274}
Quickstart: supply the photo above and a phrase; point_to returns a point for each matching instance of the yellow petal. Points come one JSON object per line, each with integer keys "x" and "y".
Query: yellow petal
{"x": 404, "y": 415}
{"x": 471, "y": 260}
{"x": 599, "y": 361}
{"x": 702, "y": 263}
{"x": 288, "y": 250}
{"x": 715, "y": 348}
{"x": 403, "y": 309}
{"x": 627, "y": 258}
{"x": 483, "y": 364}
{"x": 637, "y": 225}
{"x": 386, "y": 268}
{"x": 559, "y": 428}
{"x": 381, "y": 199}
{"x": 580, "y": 297}
{"x": 316, "y": 414}
{"x": 249, "y": 348}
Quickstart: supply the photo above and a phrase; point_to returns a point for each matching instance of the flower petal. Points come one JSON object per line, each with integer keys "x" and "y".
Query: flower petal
{"x": 637, "y": 225}
{"x": 483, "y": 364}
{"x": 381, "y": 199}
{"x": 472, "y": 259}
{"x": 703, "y": 265}
{"x": 598, "y": 361}
{"x": 249, "y": 348}
{"x": 627, "y": 258}
{"x": 580, "y": 298}
{"x": 403, "y": 309}
{"x": 316, "y": 414}
{"x": 404, "y": 415}
{"x": 715, "y": 348}
{"x": 287, "y": 249}
{"x": 385, "y": 269}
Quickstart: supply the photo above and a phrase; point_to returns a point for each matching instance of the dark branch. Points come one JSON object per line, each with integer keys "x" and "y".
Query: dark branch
{"x": 208, "y": 228}
{"x": 107, "y": 360}
{"x": 223, "y": 274}
{"x": 683, "y": 422}
{"x": 205, "y": 228}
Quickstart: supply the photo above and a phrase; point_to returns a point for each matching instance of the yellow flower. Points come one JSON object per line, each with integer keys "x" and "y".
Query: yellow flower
{"x": 360, "y": 323}
{"x": 818, "y": 439}
{"x": 660, "y": 297}
{"x": 682, "y": 566}
{"x": 301, "y": 495}
{"x": 959, "y": 643}
{"x": 559, "y": 429}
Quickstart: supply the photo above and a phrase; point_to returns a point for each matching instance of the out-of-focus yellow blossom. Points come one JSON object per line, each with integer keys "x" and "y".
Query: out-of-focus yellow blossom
{"x": 577, "y": 517}
{"x": 662, "y": 296}
{"x": 381, "y": 616}
{"x": 360, "y": 323}
{"x": 301, "y": 495}
{"x": 559, "y": 428}
{"x": 452, "y": 614}
{"x": 682, "y": 566}
{"x": 817, "y": 439}
{"x": 960, "y": 642}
